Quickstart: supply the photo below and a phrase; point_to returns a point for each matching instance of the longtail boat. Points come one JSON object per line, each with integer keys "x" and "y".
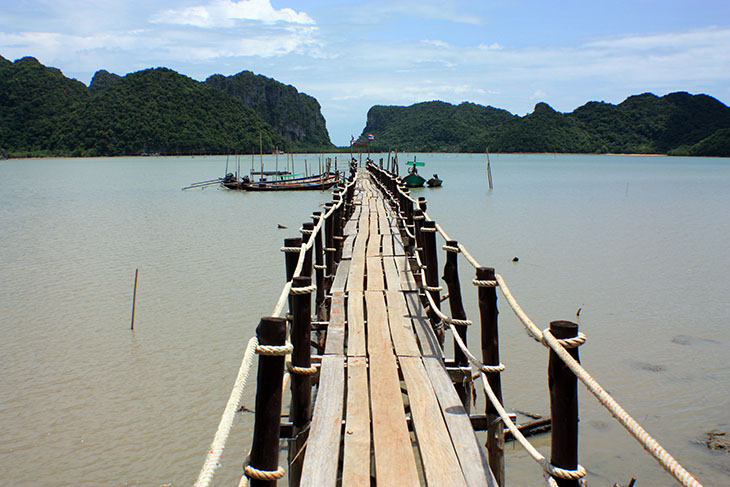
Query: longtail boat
{"x": 414, "y": 180}
{"x": 283, "y": 183}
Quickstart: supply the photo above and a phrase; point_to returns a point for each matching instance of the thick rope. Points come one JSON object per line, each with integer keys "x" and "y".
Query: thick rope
{"x": 311, "y": 370}
{"x": 484, "y": 283}
{"x": 275, "y": 350}
{"x": 255, "y": 473}
{"x": 212, "y": 460}
{"x": 303, "y": 290}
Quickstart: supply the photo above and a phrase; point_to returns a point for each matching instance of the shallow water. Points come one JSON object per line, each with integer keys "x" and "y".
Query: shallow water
{"x": 639, "y": 244}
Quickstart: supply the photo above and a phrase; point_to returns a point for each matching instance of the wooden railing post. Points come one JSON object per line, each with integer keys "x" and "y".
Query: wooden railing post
{"x": 290, "y": 259}
{"x": 267, "y": 419}
{"x": 329, "y": 253}
{"x": 307, "y": 228}
{"x": 428, "y": 231}
{"x": 451, "y": 278}
{"x": 490, "y": 356}
{"x": 318, "y": 262}
{"x": 418, "y": 219}
{"x": 301, "y": 383}
{"x": 337, "y": 227}
{"x": 563, "y": 386}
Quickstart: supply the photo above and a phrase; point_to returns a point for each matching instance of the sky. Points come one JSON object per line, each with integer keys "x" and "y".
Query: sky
{"x": 351, "y": 55}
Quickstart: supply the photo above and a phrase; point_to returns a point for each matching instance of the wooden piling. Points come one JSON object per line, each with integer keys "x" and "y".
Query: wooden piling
{"x": 428, "y": 231}
{"x": 290, "y": 260}
{"x": 329, "y": 245}
{"x": 318, "y": 262}
{"x": 490, "y": 356}
{"x": 563, "y": 386}
{"x": 456, "y": 305}
{"x": 134, "y": 296}
{"x": 267, "y": 419}
{"x": 307, "y": 228}
{"x": 300, "y": 412}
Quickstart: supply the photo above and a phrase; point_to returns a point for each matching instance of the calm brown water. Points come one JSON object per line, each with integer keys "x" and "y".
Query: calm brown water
{"x": 639, "y": 243}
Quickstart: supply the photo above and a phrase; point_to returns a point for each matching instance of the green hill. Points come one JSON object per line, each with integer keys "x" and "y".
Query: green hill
{"x": 296, "y": 116}
{"x": 161, "y": 111}
{"x": 678, "y": 123}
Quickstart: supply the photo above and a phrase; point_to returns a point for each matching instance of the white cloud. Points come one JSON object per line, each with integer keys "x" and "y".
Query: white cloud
{"x": 436, "y": 43}
{"x": 226, "y": 13}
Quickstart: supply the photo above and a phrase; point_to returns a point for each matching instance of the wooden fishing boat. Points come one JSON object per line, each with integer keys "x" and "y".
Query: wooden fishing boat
{"x": 414, "y": 180}
{"x": 434, "y": 182}
{"x": 318, "y": 181}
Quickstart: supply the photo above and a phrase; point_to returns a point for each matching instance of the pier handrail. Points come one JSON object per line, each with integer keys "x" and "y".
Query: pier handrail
{"x": 212, "y": 460}
{"x": 546, "y": 338}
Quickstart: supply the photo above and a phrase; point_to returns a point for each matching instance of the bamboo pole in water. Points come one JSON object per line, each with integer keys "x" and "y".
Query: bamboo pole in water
{"x": 489, "y": 171}
{"x": 134, "y": 297}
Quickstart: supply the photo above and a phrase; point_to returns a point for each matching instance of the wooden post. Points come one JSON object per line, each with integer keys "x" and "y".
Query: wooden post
{"x": 134, "y": 296}
{"x": 329, "y": 244}
{"x": 451, "y": 278}
{"x": 267, "y": 419}
{"x": 307, "y": 228}
{"x": 337, "y": 226}
{"x": 290, "y": 260}
{"x": 319, "y": 262}
{"x": 563, "y": 386}
{"x": 418, "y": 219}
{"x": 428, "y": 231}
{"x": 490, "y": 356}
{"x": 301, "y": 384}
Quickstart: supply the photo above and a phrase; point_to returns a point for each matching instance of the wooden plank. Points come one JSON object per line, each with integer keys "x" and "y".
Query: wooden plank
{"x": 387, "y": 244}
{"x": 426, "y": 338}
{"x": 356, "y": 462}
{"x": 335, "y": 344}
{"x": 341, "y": 276}
{"x": 472, "y": 457}
{"x": 355, "y": 324}
{"x": 347, "y": 247}
{"x": 373, "y": 248}
{"x": 350, "y": 227}
{"x": 356, "y": 279}
{"x": 401, "y": 329}
{"x": 392, "y": 277}
{"x": 395, "y": 463}
{"x": 322, "y": 457}
{"x": 375, "y": 279}
{"x": 440, "y": 463}
{"x": 407, "y": 281}
{"x": 398, "y": 248}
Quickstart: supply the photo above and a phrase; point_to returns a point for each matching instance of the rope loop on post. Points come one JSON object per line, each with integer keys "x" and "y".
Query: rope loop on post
{"x": 434, "y": 289}
{"x": 456, "y": 322}
{"x": 574, "y": 342}
{"x": 290, "y": 249}
{"x": 428, "y": 230}
{"x": 274, "y": 350}
{"x": 562, "y": 473}
{"x": 492, "y": 369}
{"x": 330, "y": 249}
{"x": 338, "y": 237}
{"x": 449, "y": 248}
{"x": 419, "y": 217}
{"x": 482, "y": 283}
{"x": 320, "y": 267}
{"x": 293, "y": 369}
{"x": 305, "y": 231}
{"x": 255, "y": 473}
{"x": 303, "y": 290}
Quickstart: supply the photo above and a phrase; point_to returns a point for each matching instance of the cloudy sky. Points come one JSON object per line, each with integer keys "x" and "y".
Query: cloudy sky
{"x": 351, "y": 55}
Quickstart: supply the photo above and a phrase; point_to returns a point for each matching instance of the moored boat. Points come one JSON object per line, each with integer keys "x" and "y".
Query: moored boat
{"x": 413, "y": 179}
{"x": 434, "y": 182}
{"x": 318, "y": 181}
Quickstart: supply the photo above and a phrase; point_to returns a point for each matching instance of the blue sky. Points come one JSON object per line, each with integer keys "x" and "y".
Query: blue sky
{"x": 351, "y": 55}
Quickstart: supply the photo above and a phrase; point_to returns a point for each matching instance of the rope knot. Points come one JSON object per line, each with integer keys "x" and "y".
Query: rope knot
{"x": 293, "y": 369}
{"x": 574, "y": 342}
{"x": 482, "y": 283}
{"x": 255, "y": 473}
{"x": 303, "y": 290}
{"x": 275, "y": 350}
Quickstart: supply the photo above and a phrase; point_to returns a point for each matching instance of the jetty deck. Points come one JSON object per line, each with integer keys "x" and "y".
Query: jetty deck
{"x": 386, "y": 408}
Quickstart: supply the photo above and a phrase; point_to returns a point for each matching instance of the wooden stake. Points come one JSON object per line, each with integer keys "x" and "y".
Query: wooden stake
{"x": 489, "y": 171}
{"x": 134, "y": 296}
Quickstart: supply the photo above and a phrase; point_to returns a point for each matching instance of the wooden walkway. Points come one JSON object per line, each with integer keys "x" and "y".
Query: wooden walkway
{"x": 386, "y": 411}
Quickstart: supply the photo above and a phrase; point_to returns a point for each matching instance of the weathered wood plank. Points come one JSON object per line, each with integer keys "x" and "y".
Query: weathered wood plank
{"x": 373, "y": 243}
{"x": 356, "y": 279}
{"x": 426, "y": 338}
{"x": 401, "y": 329}
{"x": 375, "y": 281}
{"x": 407, "y": 281}
{"x": 472, "y": 457}
{"x": 398, "y": 248}
{"x": 347, "y": 247}
{"x": 341, "y": 276}
{"x": 320, "y": 469}
{"x": 356, "y": 462}
{"x": 392, "y": 277}
{"x": 350, "y": 227}
{"x": 335, "y": 344}
{"x": 355, "y": 324}
{"x": 395, "y": 464}
{"x": 440, "y": 463}
{"x": 387, "y": 243}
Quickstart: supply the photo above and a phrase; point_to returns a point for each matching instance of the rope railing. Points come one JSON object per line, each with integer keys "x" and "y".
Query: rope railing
{"x": 559, "y": 347}
{"x": 212, "y": 460}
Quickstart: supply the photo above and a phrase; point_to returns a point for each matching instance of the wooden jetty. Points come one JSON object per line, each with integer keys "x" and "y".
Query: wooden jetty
{"x": 390, "y": 409}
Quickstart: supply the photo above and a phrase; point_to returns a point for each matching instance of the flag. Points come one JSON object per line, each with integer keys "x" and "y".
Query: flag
{"x": 352, "y": 139}
{"x": 371, "y": 137}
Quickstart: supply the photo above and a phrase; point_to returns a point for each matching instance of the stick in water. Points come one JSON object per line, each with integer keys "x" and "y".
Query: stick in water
{"x": 134, "y": 296}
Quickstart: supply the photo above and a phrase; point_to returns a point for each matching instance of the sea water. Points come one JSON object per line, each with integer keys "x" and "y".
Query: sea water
{"x": 638, "y": 244}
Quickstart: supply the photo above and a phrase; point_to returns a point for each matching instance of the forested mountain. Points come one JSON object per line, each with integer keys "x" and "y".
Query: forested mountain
{"x": 44, "y": 113}
{"x": 296, "y": 116}
{"x": 677, "y": 124}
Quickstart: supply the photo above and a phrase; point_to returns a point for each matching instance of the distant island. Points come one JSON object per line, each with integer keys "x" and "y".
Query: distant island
{"x": 159, "y": 111}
